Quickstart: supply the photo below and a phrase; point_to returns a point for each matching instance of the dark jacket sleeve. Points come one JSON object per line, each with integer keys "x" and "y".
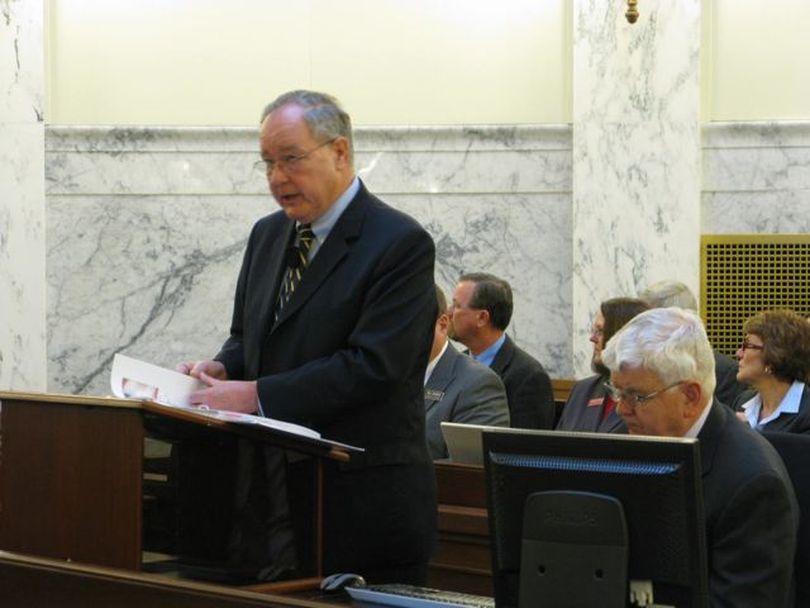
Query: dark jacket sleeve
{"x": 532, "y": 400}
{"x": 753, "y": 546}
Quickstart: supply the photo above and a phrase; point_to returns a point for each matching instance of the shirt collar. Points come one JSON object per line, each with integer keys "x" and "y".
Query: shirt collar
{"x": 698, "y": 425}
{"x": 789, "y": 405}
{"x": 487, "y": 356}
{"x": 432, "y": 365}
{"x": 324, "y": 224}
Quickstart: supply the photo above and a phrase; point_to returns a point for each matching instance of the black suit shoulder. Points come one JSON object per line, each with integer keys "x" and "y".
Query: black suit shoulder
{"x": 528, "y": 387}
{"x": 727, "y": 389}
{"x": 751, "y": 514}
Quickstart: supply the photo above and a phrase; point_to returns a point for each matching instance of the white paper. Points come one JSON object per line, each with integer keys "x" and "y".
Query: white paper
{"x": 131, "y": 378}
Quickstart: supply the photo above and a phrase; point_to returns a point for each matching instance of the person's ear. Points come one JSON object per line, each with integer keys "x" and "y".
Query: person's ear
{"x": 694, "y": 397}
{"x": 483, "y": 318}
{"x": 443, "y": 322}
{"x": 341, "y": 149}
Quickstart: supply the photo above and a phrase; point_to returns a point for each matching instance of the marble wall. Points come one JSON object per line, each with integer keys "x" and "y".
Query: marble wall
{"x": 756, "y": 178}
{"x": 146, "y": 226}
{"x": 636, "y": 154}
{"x": 22, "y": 197}
{"x": 146, "y": 229}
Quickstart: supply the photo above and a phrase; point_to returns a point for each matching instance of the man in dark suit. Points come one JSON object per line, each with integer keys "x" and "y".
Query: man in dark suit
{"x": 458, "y": 388}
{"x": 674, "y": 293}
{"x": 662, "y": 376}
{"x": 479, "y": 315}
{"x": 332, "y": 328}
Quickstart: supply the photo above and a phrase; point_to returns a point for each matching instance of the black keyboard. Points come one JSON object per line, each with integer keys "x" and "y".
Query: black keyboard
{"x": 410, "y": 596}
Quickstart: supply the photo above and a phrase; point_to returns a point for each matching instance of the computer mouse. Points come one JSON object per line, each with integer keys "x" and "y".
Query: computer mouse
{"x": 341, "y": 580}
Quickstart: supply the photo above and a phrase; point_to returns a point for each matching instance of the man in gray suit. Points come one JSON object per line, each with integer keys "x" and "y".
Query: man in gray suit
{"x": 458, "y": 388}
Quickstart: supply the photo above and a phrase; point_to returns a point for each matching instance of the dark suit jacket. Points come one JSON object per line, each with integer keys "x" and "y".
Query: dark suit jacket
{"x": 785, "y": 423}
{"x": 725, "y": 371}
{"x": 583, "y": 410}
{"x": 461, "y": 389}
{"x": 751, "y": 514}
{"x": 528, "y": 387}
{"x": 347, "y": 357}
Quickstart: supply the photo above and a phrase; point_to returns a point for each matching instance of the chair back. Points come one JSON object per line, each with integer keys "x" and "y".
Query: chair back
{"x": 794, "y": 449}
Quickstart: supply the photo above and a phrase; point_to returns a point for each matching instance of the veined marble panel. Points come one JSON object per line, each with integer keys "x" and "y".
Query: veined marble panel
{"x": 152, "y": 277}
{"x": 21, "y": 62}
{"x": 22, "y": 198}
{"x": 523, "y": 238}
{"x": 636, "y": 151}
{"x": 22, "y": 258}
{"x": 146, "y": 230}
{"x": 756, "y": 178}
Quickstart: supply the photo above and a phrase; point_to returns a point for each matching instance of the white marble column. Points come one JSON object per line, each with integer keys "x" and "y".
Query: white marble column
{"x": 636, "y": 153}
{"x": 22, "y": 197}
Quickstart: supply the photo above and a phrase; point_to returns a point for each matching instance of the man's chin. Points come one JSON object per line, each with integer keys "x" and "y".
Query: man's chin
{"x": 295, "y": 214}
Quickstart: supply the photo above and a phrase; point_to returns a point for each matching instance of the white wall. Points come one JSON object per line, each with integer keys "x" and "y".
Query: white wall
{"x": 212, "y": 62}
{"x": 397, "y": 62}
{"x": 758, "y": 58}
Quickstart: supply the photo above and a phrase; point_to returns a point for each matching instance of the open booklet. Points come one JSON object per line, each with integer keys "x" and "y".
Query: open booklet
{"x": 134, "y": 379}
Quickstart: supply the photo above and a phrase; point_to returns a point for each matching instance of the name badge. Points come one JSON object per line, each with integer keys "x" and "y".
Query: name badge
{"x": 595, "y": 402}
{"x": 431, "y": 394}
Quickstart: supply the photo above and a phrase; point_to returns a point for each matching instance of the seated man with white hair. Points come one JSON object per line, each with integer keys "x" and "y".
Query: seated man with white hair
{"x": 662, "y": 378}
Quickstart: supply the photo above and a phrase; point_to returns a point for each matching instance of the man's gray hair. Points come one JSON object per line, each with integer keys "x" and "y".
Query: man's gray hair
{"x": 669, "y": 293}
{"x": 670, "y": 342}
{"x": 323, "y": 115}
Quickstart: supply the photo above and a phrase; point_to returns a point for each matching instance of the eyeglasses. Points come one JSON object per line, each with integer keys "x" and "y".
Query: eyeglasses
{"x": 455, "y": 306}
{"x": 632, "y": 398}
{"x": 290, "y": 163}
{"x": 746, "y": 345}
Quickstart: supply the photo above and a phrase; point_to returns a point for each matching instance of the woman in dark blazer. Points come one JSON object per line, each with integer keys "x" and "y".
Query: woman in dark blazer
{"x": 589, "y": 408}
{"x": 775, "y": 360}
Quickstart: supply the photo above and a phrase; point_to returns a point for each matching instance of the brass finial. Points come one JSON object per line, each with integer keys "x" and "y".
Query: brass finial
{"x": 632, "y": 13}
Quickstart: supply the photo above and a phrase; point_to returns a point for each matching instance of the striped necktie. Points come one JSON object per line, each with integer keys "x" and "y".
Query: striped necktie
{"x": 297, "y": 262}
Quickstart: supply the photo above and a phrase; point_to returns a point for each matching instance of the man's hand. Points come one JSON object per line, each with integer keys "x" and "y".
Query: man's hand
{"x": 233, "y": 395}
{"x": 213, "y": 369}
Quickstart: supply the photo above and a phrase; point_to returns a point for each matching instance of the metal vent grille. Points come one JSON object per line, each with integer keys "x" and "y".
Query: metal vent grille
{"x": 743, "y": 274}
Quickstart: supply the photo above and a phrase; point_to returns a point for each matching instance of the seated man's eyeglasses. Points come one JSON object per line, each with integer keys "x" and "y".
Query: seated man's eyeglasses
{"x": 290, "y": 163}
{"x": 633, "y": 398}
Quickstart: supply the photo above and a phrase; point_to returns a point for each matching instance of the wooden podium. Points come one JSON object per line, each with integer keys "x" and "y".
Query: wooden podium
{"x": 72, "y": 473}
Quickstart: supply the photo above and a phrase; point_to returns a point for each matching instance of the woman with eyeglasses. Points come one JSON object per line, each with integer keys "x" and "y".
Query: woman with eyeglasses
{"x": 590, "y": 408}
{"x": 775, "y": 361}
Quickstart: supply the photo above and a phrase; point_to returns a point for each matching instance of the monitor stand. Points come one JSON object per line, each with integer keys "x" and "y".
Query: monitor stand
{"x": 574, "y": 551}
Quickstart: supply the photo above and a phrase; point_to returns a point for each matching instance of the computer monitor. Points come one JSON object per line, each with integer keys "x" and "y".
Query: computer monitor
{"x": 578, "y": 517}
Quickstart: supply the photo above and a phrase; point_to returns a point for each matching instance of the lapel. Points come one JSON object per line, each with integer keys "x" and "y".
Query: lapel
{"x": 333, "y": 250}
{"x": 441, "y": 377}
{"x": 271, "y": 274}
{"x": 503, "y": 357}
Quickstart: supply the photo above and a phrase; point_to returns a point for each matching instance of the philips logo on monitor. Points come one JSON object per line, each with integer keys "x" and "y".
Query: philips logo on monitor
{"x": 570, "y": 518}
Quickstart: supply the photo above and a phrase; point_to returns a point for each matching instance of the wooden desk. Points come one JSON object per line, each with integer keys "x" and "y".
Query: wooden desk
{"x": 463, "y": 561}
{"x": 34, "y": 582}
{"x": 561, "y": 388}
{"x": 72, "y": 475}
